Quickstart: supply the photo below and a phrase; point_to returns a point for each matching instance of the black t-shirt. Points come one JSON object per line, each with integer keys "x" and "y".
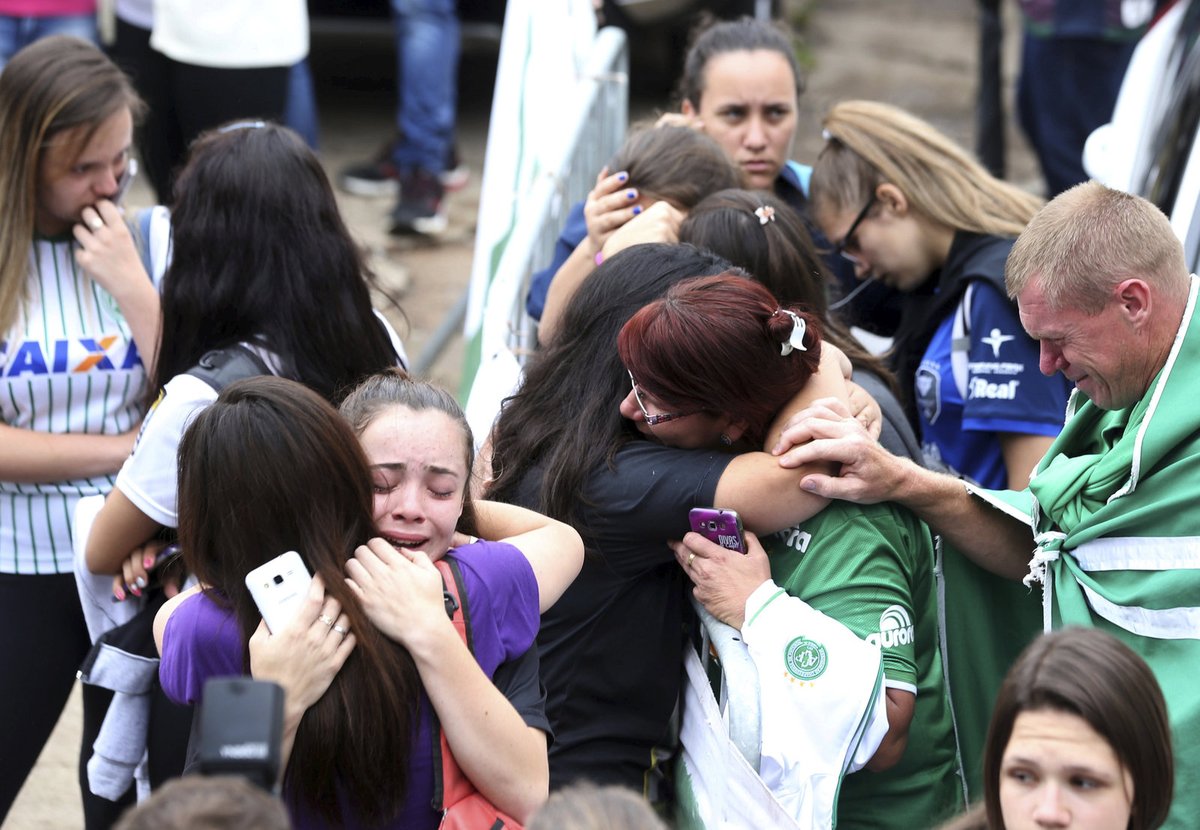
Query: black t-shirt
{"x": 519, "y": 681}
{"x": 612, "y": 647}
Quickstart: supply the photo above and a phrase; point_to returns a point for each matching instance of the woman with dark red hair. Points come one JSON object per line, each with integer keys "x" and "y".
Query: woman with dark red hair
{"x": 724, "y": 344}
{"x": 612, "y": 647}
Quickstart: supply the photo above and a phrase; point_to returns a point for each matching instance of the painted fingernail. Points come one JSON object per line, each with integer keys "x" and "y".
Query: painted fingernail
{"x": 637, "y": 209}
{"x": 119, "y": 594}
{"x": 140, "y": 582}
{"x": 631, "y": 194}
{"x": 136, "y": 591}
{"x": 148, "y": 562}
{"x": 622, "y": 177}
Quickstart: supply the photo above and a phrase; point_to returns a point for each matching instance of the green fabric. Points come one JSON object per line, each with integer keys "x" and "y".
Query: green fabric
{"x": 1117, "y": 538}
{"x": 988, "y": 620}
{"x": 870, "y": 567}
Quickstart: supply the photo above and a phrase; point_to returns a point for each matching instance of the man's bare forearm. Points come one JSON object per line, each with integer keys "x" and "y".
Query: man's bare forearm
{"x": 988, "y": 537}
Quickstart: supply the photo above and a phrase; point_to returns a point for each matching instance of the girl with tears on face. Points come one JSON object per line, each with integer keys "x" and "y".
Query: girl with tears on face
{"x": 371, "y": 664}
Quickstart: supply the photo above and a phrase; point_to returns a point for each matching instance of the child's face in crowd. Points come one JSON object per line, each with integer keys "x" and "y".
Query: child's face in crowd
{"x": 1059, "y": 772}
{"x": 748, "y": 106}
{"x": 71, "y": 178}
{"x": 419, "y": 476}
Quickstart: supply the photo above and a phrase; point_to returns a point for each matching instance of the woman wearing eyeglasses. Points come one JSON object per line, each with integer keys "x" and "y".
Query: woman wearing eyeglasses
{"x": 912, "y": 209}
{"x": 728, "y": 344}
{"x": 565, "y": 445}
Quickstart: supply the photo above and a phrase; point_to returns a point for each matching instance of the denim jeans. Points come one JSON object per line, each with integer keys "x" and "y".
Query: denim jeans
{"x": 18, "y": 32}
{"x": 300, "y": 110}
{"x": 427, "y": 48}
{"x": 1067, "y": 88}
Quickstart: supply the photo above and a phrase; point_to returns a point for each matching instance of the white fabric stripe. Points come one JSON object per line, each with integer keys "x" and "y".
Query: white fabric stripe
{"x": 1166, "y": 624}
{"x": 1002, "y": 506}
{"x": 1139, "y": 553}
{"x": 901, "y": 685}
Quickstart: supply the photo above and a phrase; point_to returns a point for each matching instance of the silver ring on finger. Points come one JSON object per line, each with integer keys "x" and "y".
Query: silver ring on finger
{"x": 95, "y": 223}
{"x": 340, "y": 630}
{"x": 325, "y": 618}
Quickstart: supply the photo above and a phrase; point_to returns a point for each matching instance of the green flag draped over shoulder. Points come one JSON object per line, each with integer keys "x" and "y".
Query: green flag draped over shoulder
{"x": 1116, "y": 509}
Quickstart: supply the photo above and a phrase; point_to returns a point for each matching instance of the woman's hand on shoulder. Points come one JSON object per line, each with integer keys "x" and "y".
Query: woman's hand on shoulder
{"x": 658, "y": 223}
{"x": 609, "y": 205}
{"x": 107, "y": 251}
{"x": 400, "y": 591}
{"x": 306, "y": 654}
{"x": 680, "y": 119}
{"x": 865, "y": 409}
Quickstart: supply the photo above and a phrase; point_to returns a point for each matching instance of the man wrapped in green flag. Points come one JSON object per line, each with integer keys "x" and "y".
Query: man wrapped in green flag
{"x": 1107, "y": 525}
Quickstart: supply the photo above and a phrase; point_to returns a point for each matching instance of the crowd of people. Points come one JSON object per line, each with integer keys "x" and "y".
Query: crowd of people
{"x": 518, "y": 617}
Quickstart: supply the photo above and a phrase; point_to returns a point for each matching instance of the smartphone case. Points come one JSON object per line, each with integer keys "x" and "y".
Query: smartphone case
{"x": 278, "y": 588}
{"x": 724, "y": 527}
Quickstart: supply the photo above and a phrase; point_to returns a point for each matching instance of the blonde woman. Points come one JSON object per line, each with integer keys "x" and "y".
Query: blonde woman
{"x": 914, "y": 210}
{"x": 78, "y": 332}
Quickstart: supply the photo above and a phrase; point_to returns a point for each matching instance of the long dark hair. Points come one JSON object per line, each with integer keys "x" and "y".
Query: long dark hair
{"x": 260, "y": 252}
{"x": 776, "y": 249}
{"x": 1091, "y": 674}
{"x": 566, "y": 413}
{"x": 271, "y": 467}
{"x": 713, "y": 344}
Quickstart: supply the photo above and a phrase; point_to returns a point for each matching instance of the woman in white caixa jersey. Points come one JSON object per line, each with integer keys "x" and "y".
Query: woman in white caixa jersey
{"x": 79, "y": 321}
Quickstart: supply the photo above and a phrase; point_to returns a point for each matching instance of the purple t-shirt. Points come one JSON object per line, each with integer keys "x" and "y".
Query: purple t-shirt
{"x": 201, "y": 640}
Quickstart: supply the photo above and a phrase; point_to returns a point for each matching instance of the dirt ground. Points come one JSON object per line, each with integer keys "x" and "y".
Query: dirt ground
{"x": 919, "y": 54}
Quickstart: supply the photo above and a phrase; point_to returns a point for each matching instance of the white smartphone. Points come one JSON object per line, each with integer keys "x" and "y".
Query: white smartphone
{"x": 278, "y": 588}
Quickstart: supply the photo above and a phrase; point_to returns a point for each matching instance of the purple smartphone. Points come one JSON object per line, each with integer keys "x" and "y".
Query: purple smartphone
{"x": 721, "y": 526}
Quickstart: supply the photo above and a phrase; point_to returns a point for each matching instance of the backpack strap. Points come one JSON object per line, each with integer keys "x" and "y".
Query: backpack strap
{"x": 221, "y": 367}
{"x": 460, "y": 802}
{"x": 448, "y": 778}
{"x": 960, "y": 341}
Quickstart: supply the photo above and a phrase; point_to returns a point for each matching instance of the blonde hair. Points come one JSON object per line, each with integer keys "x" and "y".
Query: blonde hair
{"x": 57, "y": 88}
{"x": 1090, "y": 238}
{"x": 585, "y": 806}
{"x": 870, "y": 143}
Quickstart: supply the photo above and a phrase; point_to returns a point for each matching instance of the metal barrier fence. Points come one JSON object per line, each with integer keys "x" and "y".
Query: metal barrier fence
{"x": 596, "y": 130}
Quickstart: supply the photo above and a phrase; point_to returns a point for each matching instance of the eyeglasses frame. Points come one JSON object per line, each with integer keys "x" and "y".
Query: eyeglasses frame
{"x": 655, "y": 420}
{"x": 848, "y": 239}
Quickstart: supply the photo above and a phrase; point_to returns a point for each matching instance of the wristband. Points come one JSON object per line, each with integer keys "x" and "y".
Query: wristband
{"x": 599, "y": 258}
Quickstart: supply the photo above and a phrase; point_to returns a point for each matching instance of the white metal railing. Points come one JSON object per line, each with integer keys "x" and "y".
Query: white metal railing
{"x": 595, "y": 130}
